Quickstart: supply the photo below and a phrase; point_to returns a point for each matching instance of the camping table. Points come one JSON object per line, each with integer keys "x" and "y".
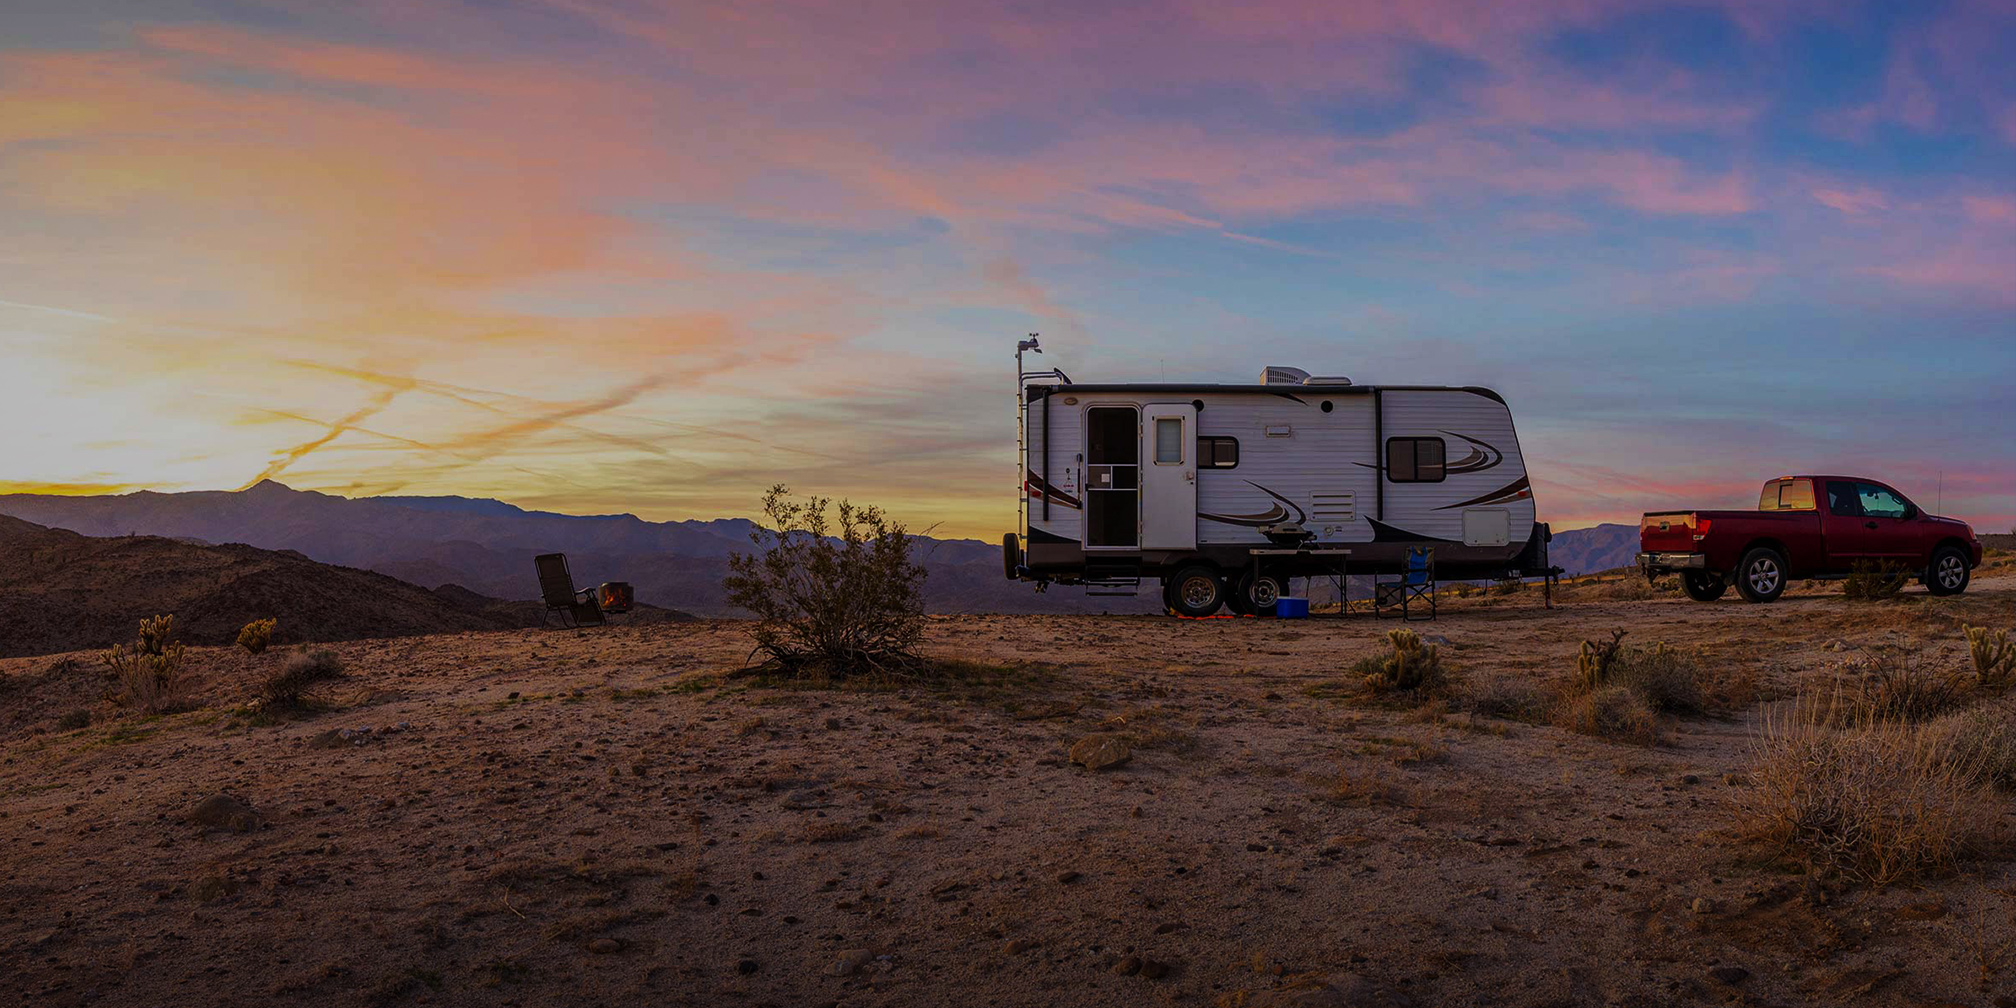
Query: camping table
{"x": 1343, "y": 561}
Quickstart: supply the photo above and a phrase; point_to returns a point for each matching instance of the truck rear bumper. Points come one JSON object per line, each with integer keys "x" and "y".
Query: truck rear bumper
{"x": 1656, "y": 562}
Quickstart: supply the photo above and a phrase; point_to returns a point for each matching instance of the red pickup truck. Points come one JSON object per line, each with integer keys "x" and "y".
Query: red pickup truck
{"x": 1806, "y": 527}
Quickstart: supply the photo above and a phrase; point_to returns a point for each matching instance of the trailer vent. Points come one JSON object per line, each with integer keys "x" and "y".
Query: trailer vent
{"x": 1279, "y": 374}
{"x": 1333, "y": 507}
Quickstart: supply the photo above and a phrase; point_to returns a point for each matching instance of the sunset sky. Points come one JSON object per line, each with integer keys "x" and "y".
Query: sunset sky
{"x": 603, "y": 255}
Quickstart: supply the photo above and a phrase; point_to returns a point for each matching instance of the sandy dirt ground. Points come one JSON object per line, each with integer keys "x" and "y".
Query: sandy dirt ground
{"x": 595, "y": 818}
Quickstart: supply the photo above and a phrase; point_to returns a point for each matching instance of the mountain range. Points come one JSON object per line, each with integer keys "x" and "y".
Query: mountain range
{"x": 486, "y": 546}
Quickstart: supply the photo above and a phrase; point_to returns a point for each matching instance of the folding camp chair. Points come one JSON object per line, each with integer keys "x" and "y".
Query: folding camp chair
{"x": 556, "y": 587}
{"x": 1413, "y": 589}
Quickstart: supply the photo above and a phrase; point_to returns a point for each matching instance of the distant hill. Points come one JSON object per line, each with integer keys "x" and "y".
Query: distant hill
{"x": 487, "y": 546}
{"x": 1596, "y": 548}
{"x": 61, "y": 591}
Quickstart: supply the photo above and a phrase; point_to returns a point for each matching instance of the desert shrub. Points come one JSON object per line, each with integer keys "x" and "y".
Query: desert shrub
{"x": 1873, "y": 581}
{"x": 1617, "y": 713}
{"x": 290, "y": 687}
{"x": 1504, "y": 696}
{"x": 256, "y": 635}
{"x": 151, "y": 676}
{"x": 1985, "y": 738}
{"x": 1883, "y": 802}
{"x": 1412, "y": 667}
{"x": 1667, "y": 679}
{"x": 831, "y": 598}
{"x": 79, "y": 718}
{"x": 1892, "y": 686}
{"x": 1994, "y": 657}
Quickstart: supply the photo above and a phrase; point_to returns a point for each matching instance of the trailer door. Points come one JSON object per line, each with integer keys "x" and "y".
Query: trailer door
{"x": 1169, "y": 479}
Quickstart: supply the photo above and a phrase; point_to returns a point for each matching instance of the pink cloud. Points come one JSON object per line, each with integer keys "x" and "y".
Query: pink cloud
{"x": 1990, "y": 209}
{"x": 1853, "y": 202}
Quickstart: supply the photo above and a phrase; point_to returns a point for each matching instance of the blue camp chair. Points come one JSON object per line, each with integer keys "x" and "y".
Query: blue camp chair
{"x": 1413, "y": 590}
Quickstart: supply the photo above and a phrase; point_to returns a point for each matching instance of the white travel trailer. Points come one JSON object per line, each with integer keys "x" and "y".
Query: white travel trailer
{"x": 1224, "y": 492}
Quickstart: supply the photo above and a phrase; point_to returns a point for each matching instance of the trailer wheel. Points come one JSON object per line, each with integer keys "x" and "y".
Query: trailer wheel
{"x": 1195, "y": 592}
{"x": 1011, "y": 554}
{"x": 1947, "y": 574}
{"x": 1252, "y": 596}
{"x": 1702, "y": 586}
{"x": 1760, "y": 577}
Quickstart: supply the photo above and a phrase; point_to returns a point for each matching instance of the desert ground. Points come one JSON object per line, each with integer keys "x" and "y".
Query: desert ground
{"x": 609, "y": 817}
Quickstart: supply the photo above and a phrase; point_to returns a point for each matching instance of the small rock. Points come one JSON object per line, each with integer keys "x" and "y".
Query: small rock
{"x": 1100, "y": 751}
{"x": 1066, "y": 878}
{"x": 1690, "y": 779}
{"x": 1017, "y": 946}
{"x": 604, "y": 946}
{"x": 746, "y": 966}
{"x": 1154, "y": 969}
{"x": 222, "y": 811}
{"x": 1731, "y": 975}
{"x": 1704, "y": 905}
{"x": 1128, "y": 966}
{"x": 850, "y": 961}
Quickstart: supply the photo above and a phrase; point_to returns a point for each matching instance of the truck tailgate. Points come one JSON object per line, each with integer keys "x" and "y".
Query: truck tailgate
{"x": 1667, "y": 532}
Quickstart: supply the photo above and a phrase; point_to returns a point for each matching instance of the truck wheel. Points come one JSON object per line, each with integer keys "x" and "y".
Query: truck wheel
{"x": 1947, "y": 574}
{"x": 1761, "y": 575}
{"x": 1702, "y": 586}
{"x": 1252, "y": 596}
{"x": 1196, "y": 592}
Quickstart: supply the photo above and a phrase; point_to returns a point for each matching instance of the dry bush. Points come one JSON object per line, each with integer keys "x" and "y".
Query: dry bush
{"x": 151, "y": 676}
{"x": 1504, "y": 696}
{"x": 1667, "y": 679}
{"x": 290, "y": 687}
{"x": 1994, "y": 657}
{"x": 74, "y": 720}
{"x": 1984, "y": 737}
{"x": 1414, "y": 667}
{"x": 1592, "y": 663}
{"x": 1892, "y": 686}
{"x": 831, "y": 599}
{"x": 1880, "y": 802}
{"x": 1875, "y": 582}
{"x": 256, "y": 635}
{"x": 1617, "y": 713}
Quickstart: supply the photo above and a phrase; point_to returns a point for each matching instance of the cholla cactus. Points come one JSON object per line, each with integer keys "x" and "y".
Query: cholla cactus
{"x": 150, "y": 676}
{"x": 1411, "y": 665}
{"x": 254, "y": 636}
{"x": 1592, "y": 665}
{"x": 1994, "y": 656}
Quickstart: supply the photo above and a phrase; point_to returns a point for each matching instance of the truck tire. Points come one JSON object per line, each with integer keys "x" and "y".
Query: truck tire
{"x": 1702, "y": 586}
{"x": 1195, "y": 592}
{"x": 1947, "y": 574}
{"x": 1252, "y": 596}
{"x": 1760, "y": 576}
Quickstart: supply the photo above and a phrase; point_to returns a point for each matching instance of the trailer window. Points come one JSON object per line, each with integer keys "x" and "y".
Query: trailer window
{"x": 1786, "y": 495}
{"x": 1169, "y": 441}
{"x": 1415, "y": 460}
{"x": 1218, "y": 452}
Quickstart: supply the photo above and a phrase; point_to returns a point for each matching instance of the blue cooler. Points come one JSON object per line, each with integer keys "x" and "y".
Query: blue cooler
{"x": 1291, "y": 608}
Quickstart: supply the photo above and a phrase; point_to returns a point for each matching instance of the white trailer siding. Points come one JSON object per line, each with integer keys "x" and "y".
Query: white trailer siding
{"x": 1318, "y": 468}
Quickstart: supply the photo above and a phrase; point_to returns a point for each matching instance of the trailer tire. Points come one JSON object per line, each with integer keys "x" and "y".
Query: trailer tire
{"x": 1252, "y": 596}
{"x": 1195, "y": 591}
{"x": 1704, "y": 586}
{"x": 1947, "y": 574}
{"x": 1011, "y": 555}
{"x": 1760, "y": 576}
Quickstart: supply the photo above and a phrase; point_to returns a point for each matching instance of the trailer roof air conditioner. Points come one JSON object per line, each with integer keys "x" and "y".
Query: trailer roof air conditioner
{"x": 1277, "y": 374}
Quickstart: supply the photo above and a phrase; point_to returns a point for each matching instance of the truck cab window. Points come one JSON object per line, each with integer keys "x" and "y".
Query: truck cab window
{"x": 1880, "y": 502}
{"x": 1415, "y": 460}
{"x": 1842, "y": 499}
{"x": 1786, "y": 495}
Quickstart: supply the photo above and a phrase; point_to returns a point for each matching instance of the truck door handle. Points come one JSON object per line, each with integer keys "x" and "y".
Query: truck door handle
{"x": 1869, "y": 525}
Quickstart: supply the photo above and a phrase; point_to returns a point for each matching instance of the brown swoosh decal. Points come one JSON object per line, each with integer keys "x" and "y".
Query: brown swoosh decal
{"x": 1515, "y": 490}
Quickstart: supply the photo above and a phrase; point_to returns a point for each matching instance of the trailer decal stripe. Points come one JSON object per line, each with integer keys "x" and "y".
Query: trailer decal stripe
{"x": 1518, "y": 489}
{"x": 1040, "y": 488}
{"x": 1272, "y": 516}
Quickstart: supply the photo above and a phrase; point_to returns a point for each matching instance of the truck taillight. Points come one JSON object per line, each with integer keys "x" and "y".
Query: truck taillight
{"x": 1700, "y": 529}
